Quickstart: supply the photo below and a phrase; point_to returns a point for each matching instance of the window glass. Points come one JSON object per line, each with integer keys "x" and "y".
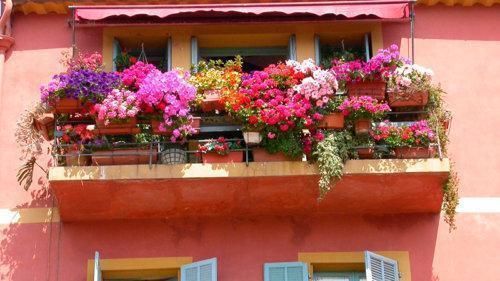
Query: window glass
{"x": 339, "y": 276}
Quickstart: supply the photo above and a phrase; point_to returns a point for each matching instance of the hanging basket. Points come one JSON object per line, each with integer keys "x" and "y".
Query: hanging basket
{"x": 374, "y": 89}
{"x": 407, "y": 99}
{"x": 45, "y": 125}
{"x": 332, "y": 121}
{"x": 173, "y": 156}
{"x": 67, "y": 105}
{"x": 124, "y": 127}
{"x": 252, "y": 138}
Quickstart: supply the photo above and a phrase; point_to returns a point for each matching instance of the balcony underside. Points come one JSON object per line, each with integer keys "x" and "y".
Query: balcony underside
{"x": 279, "y": 188}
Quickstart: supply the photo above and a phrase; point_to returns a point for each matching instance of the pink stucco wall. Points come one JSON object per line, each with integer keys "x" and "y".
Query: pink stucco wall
{"x": 460, "y": 44}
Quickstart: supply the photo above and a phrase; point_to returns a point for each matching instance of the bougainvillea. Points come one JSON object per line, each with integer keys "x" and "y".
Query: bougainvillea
{"x": 363, "y": 107}
{"x": 119, "y": 105}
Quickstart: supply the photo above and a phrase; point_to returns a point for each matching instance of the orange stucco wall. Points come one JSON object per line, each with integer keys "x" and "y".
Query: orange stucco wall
{"x": 461, "y": 44}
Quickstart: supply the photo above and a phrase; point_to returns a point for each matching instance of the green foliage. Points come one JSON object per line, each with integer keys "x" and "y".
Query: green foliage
{"x": 338, "y": 51}
{"x": 332, "y": 153}
{"x": 450, "y": 199}
{"x": 438, "y": 116}
{"x": 287, "y": 142}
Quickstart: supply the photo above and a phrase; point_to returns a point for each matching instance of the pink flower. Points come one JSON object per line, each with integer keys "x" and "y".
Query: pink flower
{"x": 271, "y": 135}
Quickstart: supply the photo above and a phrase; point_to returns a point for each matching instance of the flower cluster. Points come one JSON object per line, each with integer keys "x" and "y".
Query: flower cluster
{"x": 76, "y": 136}
{"x": 132, "y": 77}
{"x": 363, "y": 107}
{"x": 410, "y": 78}
{"x": 84, "y": 61}
{"x": 219, "y": 146}
{"x": 170, "y": 95}
{"x": 417, "y": 134}
{"x": 118, "y": 105}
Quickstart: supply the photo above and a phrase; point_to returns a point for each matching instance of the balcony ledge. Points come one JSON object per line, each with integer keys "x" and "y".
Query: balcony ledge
{"x": 163, "y": 191}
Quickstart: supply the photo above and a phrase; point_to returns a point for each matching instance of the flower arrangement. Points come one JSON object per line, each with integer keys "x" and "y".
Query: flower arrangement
{"x": 117, "y": 107}
{"x": 75, "y": 136}
{"x": 219, "y": 146}
{"x": 83, "y": 61}
{"x": 169, "y": 94}
{"x": 133, "y": 76}
{"x": 410, "y": 78}
{"x": 418, "y": 134}
{"x": 363, "y": 107}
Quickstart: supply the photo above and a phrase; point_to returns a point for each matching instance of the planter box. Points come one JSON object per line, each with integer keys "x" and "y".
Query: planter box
{"x": 375, "y": 89}
{"x": 45, "y": 125}
{"x": 331, "y": 121}
{"x": 365, "y": 152}
{"x": 125, "y": 156}
{"x": 414, "y": 152}
{"x": 362, "y": 126}
{"x": 252, "y": 138}
{"x": 155, "y": 126}
{"x": 419, "y": 99}
{"x": 74, "y": 159}
{"x": 232, "y": 157}
{"x": 67, "y": 105}
{"x": 261, "y": 155}
{"x": 128, "y": 127}
{"x": 211, "y": 102}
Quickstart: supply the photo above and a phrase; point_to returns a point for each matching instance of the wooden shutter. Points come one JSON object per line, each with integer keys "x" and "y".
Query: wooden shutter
{"x": 286, "y": 271}
{"x": 169, "y": 53}
{"x": 380, "y": 268}
{"x": 205, "y": 270}
{"x": 117, "y": 49}
{"x": 97, "y": 268}
{"x": 194, "y": 52}
{"x": 292, "y": 47}
{"x": 317, "y": 49}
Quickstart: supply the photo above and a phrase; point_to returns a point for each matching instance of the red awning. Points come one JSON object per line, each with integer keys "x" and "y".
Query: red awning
{"x": 348, "y": 9}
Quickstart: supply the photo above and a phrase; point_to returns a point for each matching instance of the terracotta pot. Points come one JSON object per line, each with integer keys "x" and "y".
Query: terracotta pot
{"x": 406, "y": 152}
{"x": 333, "y": 120}
{"x": 252, "y": 138}
{"x": 365, "y": 152}
{"x": 211, "y": 102}
{"x": 374, "y": 89}
{"x": 128, "y": 127}
{"x": 67, "y": 105}
{"x": 362, "y": 126}
{"x": 261, "y": 155}
{"x": 232, "y": 157}
{"x": 74, "y": 159}
{"x": 407, "y": 99}
{"x": 155, "y": 125}
{"x": 125, "y": 156}
{"x": 45, "y": 125}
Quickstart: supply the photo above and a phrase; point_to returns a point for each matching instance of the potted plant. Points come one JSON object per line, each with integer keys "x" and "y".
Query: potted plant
{"x": 116, "y": 115}
{"x": 166, "y": 98}
{"x": 221, "y": 151}
{"x": 72, "y": 142}
{"x": 362, "y": 111}
{"x": 364, "y": 147}
{"x": 122, "y": 150}
{"x": 45, "y": 125}
{"x": 332, "y": 119}
{"x": 409, "y": 86}
{"x": 411, "y": 141}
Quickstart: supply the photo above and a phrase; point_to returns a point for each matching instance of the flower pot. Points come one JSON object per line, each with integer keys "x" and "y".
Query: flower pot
{"x": 362, "y": 126}
{"x": 173, "y": 156}
{"x": 374, "y": 89}
{"x": 403, "y": 99}
{"x": 67, "y": 105}
{"x": 231, "y": 157}
{"x": 211, "y": 101}
{"x": 74, "y": 158}
{"x": 125, "y": 127}
{"x": 155, "y": 126}
{"x": 261, "y": 155}
{"x": 252, "y": 138}
{"x": 45, "y": 125}
{"x": 125, "y": 156}
{"x": 406, "y": 152}
{"x": 333, "y": 120}
{"x": 365, "y": 152}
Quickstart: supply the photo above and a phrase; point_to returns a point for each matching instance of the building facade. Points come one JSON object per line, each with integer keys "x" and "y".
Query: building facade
{"x": 251, "y": 223}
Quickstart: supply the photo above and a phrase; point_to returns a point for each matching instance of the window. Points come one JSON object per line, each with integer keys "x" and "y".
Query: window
{"x": 339, "y": 276}
{"x": 347, "y": 46}
{"x": 152, "y": 49}
{"x": 285, "y": 271}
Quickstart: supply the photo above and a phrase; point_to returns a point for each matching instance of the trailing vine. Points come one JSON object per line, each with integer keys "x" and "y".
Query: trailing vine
{"x": 450, "y": 198}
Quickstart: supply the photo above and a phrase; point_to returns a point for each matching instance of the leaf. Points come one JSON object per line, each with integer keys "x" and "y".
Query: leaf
{"x": 25, "y": 173}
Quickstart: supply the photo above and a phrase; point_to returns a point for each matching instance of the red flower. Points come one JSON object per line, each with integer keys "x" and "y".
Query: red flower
{"x": 253, "y": 119}
{"x": 133, "y": 60}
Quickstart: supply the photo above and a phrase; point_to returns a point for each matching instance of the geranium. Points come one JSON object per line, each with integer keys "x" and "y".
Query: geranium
{"x": 219, "y": 146}
{"x": 410, "y": 78}
{"x": 417, "y": 134}
{"x": 132, "y": 77}
{"x": 75, "y": 136}
{"x": 81, "y": 61}
{"x": 363, "y": 107}
{"x": 118, "y": 106}
{"x": 169, "y": 94}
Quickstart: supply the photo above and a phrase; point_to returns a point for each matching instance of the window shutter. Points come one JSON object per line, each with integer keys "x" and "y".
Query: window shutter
{"x": 97, "y": 268}
{"x": 380, "y": 268}
{"x": 169, "y": 53}
{"x": 367, "y": 46}
{"x": 286, "y": 271}
{"x": 317, "y": 49}
{"x": 292, "y": 47}
{"x": 205, "y": 270}
{"x": 117, "y": 49}
{"x": 194, "y": 52}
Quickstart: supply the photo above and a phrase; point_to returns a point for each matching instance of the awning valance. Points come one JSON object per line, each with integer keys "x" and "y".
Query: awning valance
{"x": 345, "y": 9}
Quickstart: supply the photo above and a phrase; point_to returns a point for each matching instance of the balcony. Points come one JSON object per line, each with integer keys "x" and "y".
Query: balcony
{"x": 385, "y": 186}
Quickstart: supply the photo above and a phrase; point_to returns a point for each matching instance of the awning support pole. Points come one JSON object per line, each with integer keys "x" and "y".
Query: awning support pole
{"x": 412, "y": 31}
{"x": 73, "y": 32}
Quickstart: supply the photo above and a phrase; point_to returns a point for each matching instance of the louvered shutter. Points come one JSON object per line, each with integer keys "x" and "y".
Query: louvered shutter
{"x": 205, "y": 270}
{"x": 117, "y": 49}
{"x": 194, "y": 53}
{"x": 292, "y": 47}
{"x": 380, "y": 268}
{"x": 317, "y": 49}
{"x": 169, "y": 53}
{"x": 285, "y": 271}
{"x": 97, "y": 268}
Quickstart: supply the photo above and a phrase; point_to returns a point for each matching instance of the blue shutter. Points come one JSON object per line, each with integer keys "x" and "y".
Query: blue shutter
{"x": 205, "y": 270}
{"x": 169, "y": 53}
{"x": 317, "y": 49}
{"x": 286, "y": 271}
{"x": 116, "y": 51}
{"x": 97, "y": 268}
{"x": 380, "y": 268}
{"x": 367, "y": 46}
{"x": 194, "y": 52}
{"x": 292, "y": 47}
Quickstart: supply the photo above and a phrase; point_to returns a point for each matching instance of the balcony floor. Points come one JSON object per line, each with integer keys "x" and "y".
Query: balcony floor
{"x": 386, "y": 186}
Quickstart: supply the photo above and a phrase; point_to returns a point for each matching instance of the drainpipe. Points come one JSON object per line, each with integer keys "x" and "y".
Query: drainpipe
{"x": 6, "y": 41}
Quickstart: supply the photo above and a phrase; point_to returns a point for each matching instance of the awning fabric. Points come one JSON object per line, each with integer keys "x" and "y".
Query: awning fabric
{"x": 349, "y": 9}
